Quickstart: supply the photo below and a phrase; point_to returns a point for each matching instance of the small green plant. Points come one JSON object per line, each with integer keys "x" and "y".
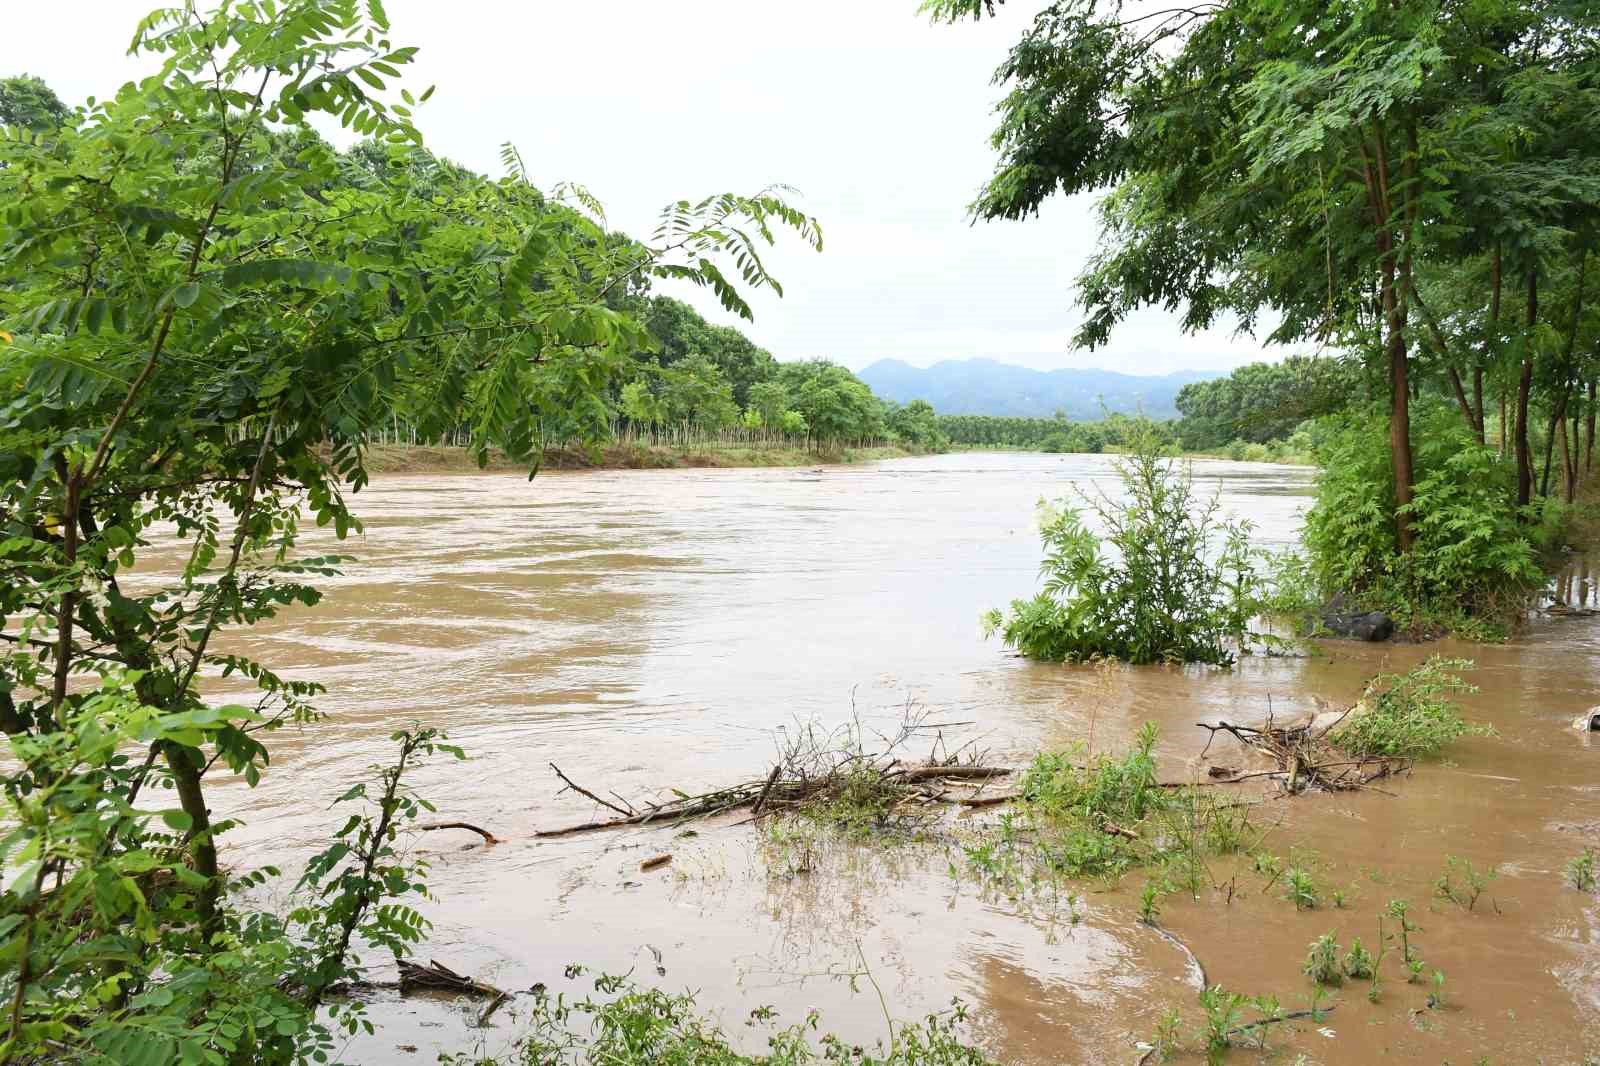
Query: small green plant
{"x": 1269, "y": 866}
{"x": 1227, "y": 828}
{"x": 1400, "y": 910}
{"x": 1358, "y": 962}
{"x": 1409, "y": 715}
{"x": 1581, "y": 871}
{"x": 1224, "y": 1012}
{"x": 1300, "y": 888}
{"x": 1436, "y": 995}
{"x": 1150, "y": 901}
{"x": 1322, "y": 961}
{"x": 1167, "y": 1040}
{"x": 1462, "y": 883}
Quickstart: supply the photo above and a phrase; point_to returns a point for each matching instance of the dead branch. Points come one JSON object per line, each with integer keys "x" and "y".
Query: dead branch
{"x": 488, "y": 837}
{"x": 574, "y": 786}
{"x": 766, "y": 790}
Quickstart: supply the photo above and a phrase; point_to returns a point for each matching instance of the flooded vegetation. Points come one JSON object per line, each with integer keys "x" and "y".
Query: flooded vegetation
{"x": 716, "y": 767}
{"x": 638, "y": 629}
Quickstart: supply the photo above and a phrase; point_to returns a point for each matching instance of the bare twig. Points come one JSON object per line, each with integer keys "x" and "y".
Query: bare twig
{"x": 574, "y": 786}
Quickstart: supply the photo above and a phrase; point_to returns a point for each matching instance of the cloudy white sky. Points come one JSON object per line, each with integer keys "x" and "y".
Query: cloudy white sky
{"x": 877, "y": 118}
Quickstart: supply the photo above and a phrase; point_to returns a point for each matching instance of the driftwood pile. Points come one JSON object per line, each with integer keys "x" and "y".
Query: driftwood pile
{"x": 815, "y": 767}
{"x": 1303, "y": 756}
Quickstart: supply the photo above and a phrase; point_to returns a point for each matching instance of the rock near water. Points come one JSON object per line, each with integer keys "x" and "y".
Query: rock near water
{"x": 1340, "y": 620}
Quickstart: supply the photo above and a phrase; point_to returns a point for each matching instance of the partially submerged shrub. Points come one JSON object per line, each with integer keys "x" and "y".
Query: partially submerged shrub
{"x": 1359, "y": 963}
{"x": 1300, "y": 888}
{"x": 1581, "y": 871}
{"x": 1462, "y": 883}
{"x": 1172, "y": 580}
{"x": 624, "y": 1024}
{"x": 1104, "y": 816}
{"x": 1322, "y": 961}
{"x": 1409, "y": 715}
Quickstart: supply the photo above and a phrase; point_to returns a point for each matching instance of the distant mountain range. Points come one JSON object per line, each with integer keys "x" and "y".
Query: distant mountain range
{"x": 987, "y": 387}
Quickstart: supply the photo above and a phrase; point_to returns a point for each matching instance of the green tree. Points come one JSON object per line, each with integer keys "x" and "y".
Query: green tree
{"x": 200, "y": 330}
{"x": 835, "y": 404}
{"x": 1265, "y": 401}
{"x": 683, "y": 334}
{"x": 1308, "y": 164}
{"x": 28, "y": 103}
{"x": 917, "y": 425}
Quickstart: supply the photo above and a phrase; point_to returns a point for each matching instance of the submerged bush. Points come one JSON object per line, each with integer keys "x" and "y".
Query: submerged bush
{"x": 1103, "y": 816}
{"x": 1474, "y": 561}
{"x": 1172, "y": 580}
{"x": 1322, "y": 961}
{"x": 624, "y": 1024}
{"x": 1409, "y": 715}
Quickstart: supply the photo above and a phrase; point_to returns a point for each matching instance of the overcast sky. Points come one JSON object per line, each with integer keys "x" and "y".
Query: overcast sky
{"x": 877, "y": 118}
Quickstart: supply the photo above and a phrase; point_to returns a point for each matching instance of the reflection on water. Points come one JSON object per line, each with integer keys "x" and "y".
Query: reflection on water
{"x": 651, "y": 629}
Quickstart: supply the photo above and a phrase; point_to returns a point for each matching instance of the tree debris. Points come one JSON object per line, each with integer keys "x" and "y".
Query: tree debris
{"x": 814, "y": 767}
{"x": 436, "y": 976}
{"x": 1304, "y": 757}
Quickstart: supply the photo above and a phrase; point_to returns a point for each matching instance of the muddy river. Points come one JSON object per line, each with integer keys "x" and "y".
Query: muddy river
{"x": 657, "y": 629}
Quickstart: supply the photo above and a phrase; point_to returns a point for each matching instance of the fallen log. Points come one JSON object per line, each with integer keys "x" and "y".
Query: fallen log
{"x": 438, "y": 977}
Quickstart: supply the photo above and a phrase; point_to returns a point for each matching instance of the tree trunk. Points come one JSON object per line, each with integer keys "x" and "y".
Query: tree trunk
{"x": 1495, "y": 286}
{"x": 1569, "y": 459}
{"x": 1558, "y": 417}
{"x": 1502, "y": 423}
{"x": 186, "y": 780}
{"x": 1463, "y": 402}
{"x": 1524, "y": 387}
{"x": 1588, "y": 433}
{"x": 1400, "y": 410}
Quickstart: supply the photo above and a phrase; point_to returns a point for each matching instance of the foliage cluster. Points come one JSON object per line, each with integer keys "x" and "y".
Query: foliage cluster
{"x": 1263, "y": 402}
{"x": 1409, "y": 715}
{"x": 1056, "y": 434}
{"x": 206, "y": 314}
{"x": 1104, "y": 816}
{"x": 117, "y": 950}
{"x": 1179, "y": 583}
{"x": 1410, "y": 186}
{"x": 1474, "y": 564}
{"x": 625, "y": 1024}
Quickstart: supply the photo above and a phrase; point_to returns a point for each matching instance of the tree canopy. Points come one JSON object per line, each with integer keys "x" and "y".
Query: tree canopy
{"x": 1359, "y": 177}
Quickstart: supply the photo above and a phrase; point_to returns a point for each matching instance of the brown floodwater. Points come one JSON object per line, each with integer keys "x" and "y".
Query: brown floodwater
{"x": 648, "y": 630}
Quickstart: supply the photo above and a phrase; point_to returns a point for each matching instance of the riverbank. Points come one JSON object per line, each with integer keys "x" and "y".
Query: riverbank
{"x": 441, "y": 459}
